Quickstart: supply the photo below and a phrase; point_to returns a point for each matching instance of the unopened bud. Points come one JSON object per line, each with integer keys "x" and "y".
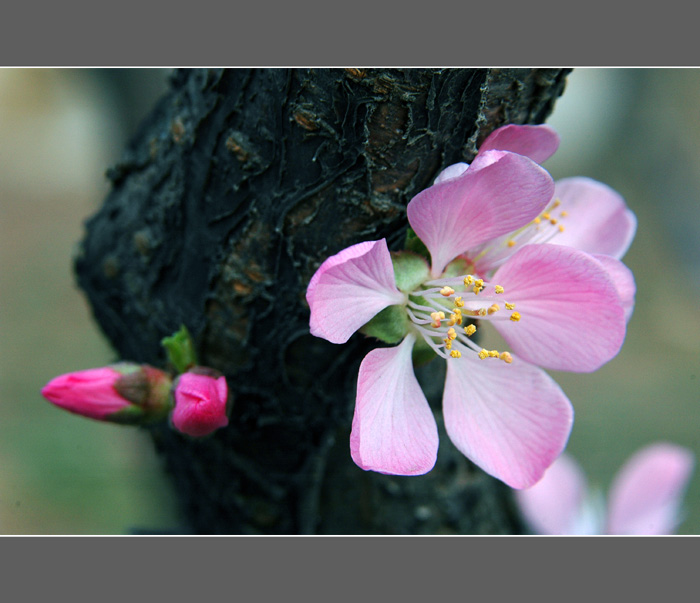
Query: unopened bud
{"x": 201, "y": 397}
{"x": 121, "y": 393}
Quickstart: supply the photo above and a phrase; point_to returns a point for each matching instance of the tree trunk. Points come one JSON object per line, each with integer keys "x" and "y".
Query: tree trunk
{"x": 238, "y": 185}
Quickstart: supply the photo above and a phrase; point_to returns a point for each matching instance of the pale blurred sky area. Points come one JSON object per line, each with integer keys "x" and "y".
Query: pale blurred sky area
{"x": 637, "y": 130}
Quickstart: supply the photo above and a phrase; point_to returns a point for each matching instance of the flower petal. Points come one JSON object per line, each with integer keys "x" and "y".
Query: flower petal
{"x": 350, "y": 288}
{"x": 451, "y": 171}
{"x": 645, "y": 497}
{"x": 571, "y": 316}
{"x": 598, "y": 220}
{"x": 623, "y": 279}
{"x": 393, "y": 430}
{"x": 553, "y": 505}
{"x": 536, "y": 142}
{"x": 499, "y": 193}
{"x": 512, "y": 420}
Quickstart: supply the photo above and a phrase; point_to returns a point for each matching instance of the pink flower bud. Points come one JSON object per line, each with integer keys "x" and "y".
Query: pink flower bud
{"x": 121, "y": 393}
{"x": 200, "y": 402}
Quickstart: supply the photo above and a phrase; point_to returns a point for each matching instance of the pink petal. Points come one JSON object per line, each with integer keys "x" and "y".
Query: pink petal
{"x": 553, "y": 505}
{"x": 393, "y": 430}
{"x": 512, "y": 420}
{"x": 350, "y": 288}
{"x": 645, "y": 497}
{"x": 451, "y": 171}
{"x": 623, "y": 279}
{"x": 536, "y": 142}
{"x": 572, "y": 318}
{"x": 499, "y": 193}
{"x": 597, "y": 221}
{"x": 89, "y": 392}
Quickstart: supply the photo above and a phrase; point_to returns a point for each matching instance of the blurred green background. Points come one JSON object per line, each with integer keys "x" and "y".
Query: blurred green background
{"x": 638, "y": 130}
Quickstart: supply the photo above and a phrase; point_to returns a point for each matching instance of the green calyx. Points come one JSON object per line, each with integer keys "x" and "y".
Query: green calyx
{"x": 410, "y": 270}
{"x": 180, "y": 349}
{"x": 389, "y": 326}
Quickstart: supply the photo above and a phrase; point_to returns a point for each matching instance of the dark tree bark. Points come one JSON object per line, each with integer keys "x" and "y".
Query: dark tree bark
{"x": 239, "y": 184}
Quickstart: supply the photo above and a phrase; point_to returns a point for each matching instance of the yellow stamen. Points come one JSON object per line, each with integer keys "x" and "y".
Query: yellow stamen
{"x": 468, "y": 280}
{"x": 470, "y": 330}
{"x": 493, "y": 353}
{"x": 561, "y": 228}
{"x": 447, "y": 291}
{"x": 498, "y": 289}
{"x": 494, "y": 308}
{"x": 458, "y": 302}
{"x": 564, "y": 214}
{"x": 508, "y": 306}
{"x": 546, "y": 216}
{"x": 506, "y": 357}
{"x": 537, "y": 220}
{"x": 511, "y": 243}
{"x": 484, "y": 354}
{"x": 456, "y": 354}
{"x": 515, "y": 317}
{"x": 557, "y": 203}
{"x": 437, "y": 317}
{"x": 451, "y": 333}
{"x": 483, "y": 312}
{"x": 553, "y": 221}
{"x": 448, "y": 344}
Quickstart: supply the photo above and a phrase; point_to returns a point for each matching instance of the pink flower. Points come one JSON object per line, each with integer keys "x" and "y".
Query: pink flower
{"x": 122, "y": 393}
{"x": 502, "y": 412}
{"x": 200, "y": 402}
{"x": 645, "y": 497}
{"x": 582, "y": 213}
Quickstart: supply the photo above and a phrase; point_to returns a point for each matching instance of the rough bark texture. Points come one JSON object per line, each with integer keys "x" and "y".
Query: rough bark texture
{"x": 236, "y": 188}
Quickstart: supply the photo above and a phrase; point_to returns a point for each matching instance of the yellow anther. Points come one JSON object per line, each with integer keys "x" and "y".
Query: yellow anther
{"x": 437, "y": 317}
{"x": 494, "y": 308}
{"x": 470, "y": 330}
{"x": 510, "y": 306}
{"x": 484, "y": 354}
{"x": 564, "y": 214}
{"x": 458, "y": 302}
{"x": 511, "y": 243}
{"x": 515, "y": 317}
{"x": 506, "y": 357}
{"x": 455, "y": 319}
{"x": 493, "y": 353}
{"x": 447, "y": 291}
{"x": 456, "y": 354}
{"x": 561, "y": 228}
{"x": 557, "y": 203}
{"x": 448, "y": 344}
{"x": 483, "y": 312}
{"x": 451, "y": 333}
{"x": 546, "y": 216}
{"x": 537, "y": 220}
{"x": 498, "y": 289}
{"x": 479, "y": 283}
{"x": 468, "y": 280}
{"x": 553, "y": 221}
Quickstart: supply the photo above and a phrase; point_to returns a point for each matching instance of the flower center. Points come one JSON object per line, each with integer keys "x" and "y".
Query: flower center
{"x": 444, "y": 314}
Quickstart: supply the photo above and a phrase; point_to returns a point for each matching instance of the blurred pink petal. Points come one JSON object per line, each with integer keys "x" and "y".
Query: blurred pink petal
{"x": 512, "y": 420}
{"x": 499, "y": 193}
{"x": 393, "y": 429}
{"x": 553, "y": 505}
{"x": 350, "y": 288}
{"x": 645, "y": 497}
{"x": 598, "y": 220}
{"x": 623, "y": 279}
{"x": 536, "y": 142}
{"x": 571, "y": 317}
